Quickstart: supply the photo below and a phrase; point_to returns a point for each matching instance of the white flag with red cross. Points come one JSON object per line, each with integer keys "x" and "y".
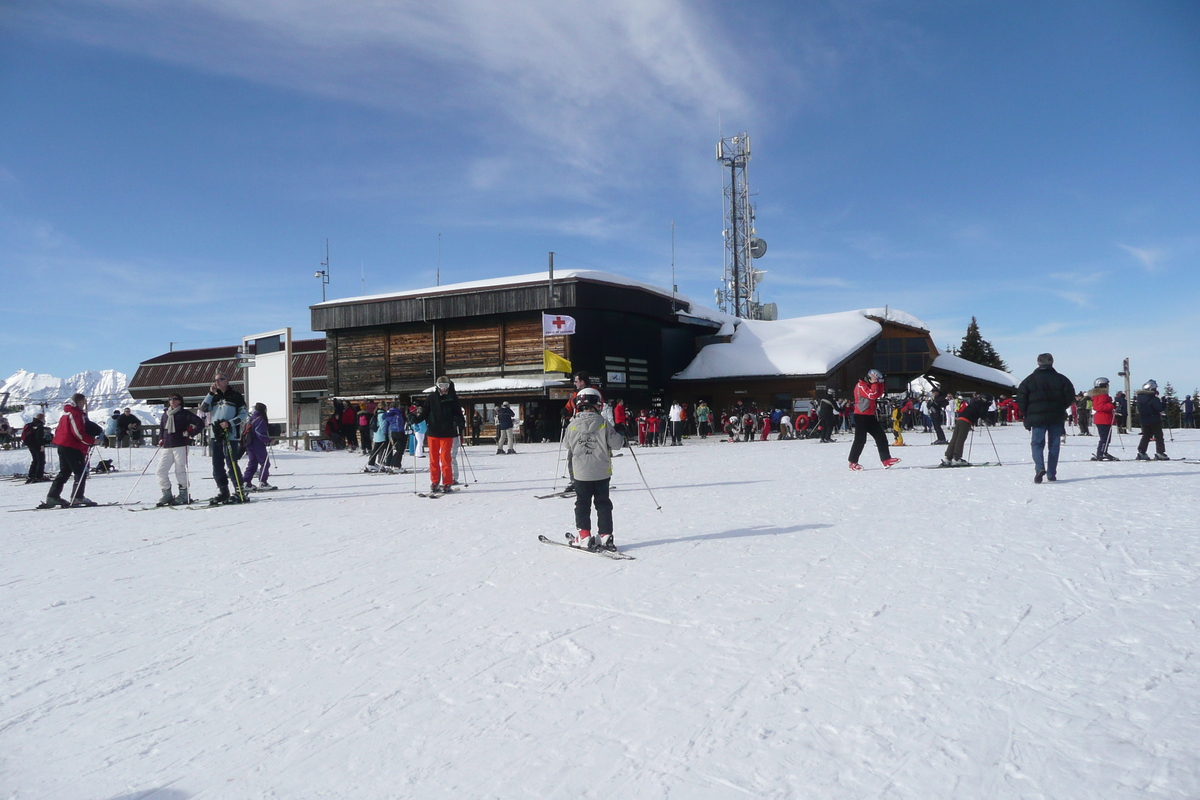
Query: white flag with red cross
{"x": 557, "y": 325}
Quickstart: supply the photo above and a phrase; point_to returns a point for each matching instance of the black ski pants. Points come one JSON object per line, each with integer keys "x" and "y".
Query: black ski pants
{"x": 399, "y": 445}
{"x": 1104, "y": 432}
{"x": 70, "y": 462}
{"x": 221, "y": 459}
{"x": 958, "y": 439}
{"x": 936, "y": 418}
{"x": 1152, "y": 430}
{"x": 588, "y": 493}
{"x": 864, "y": 424}
{"x": 37, "y": 462}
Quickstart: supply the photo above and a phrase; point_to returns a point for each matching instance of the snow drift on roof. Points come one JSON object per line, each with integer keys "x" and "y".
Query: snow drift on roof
{"x": 801, "y": 346}
{"x": 960, "y": 366}
{"x": 512, "y": 280}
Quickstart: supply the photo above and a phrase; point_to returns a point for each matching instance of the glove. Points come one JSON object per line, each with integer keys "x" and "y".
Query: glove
{"x": 1028, "y": 427}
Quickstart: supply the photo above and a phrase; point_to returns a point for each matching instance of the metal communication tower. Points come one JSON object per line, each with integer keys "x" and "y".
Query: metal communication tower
{"x": 738, "y": 294}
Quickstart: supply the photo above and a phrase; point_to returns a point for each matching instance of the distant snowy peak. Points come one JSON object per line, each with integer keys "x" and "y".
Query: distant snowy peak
{"x": 105, "y": 387}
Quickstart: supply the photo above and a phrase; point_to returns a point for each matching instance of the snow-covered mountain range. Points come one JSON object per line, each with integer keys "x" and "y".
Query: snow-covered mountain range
{"x": 105, "y": 389}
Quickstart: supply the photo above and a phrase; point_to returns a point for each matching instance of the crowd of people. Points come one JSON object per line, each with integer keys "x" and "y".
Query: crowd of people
{"x": 436, "y": 426}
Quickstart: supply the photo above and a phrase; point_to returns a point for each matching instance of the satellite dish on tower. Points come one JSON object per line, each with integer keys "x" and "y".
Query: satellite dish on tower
{"x": 758, "y": 247}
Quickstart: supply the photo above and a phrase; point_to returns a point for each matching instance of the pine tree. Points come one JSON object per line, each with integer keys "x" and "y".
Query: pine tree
{"x": 1171, "y": 405}
{"x": 979, "y": 350}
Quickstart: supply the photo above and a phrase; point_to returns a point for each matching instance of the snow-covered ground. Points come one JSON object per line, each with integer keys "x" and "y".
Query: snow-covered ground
{"x": 789, "y": 629}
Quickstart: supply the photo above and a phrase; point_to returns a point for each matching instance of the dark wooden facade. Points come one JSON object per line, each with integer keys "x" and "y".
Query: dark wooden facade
{"x": 396, "y": 345}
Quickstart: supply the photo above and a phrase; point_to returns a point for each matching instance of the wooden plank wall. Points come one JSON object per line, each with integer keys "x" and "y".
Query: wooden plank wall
{"x": 523, "y": 342}
{"x": 411, "y": 356}
{"x": 476, "y": 345}
{"x": 361, "y": 361}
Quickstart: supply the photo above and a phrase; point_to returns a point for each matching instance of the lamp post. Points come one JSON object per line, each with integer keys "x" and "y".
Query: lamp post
{"x": 323, "y": 274}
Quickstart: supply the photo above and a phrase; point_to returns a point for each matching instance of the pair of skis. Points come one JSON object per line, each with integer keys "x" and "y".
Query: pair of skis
{"x": 614, "y": 555}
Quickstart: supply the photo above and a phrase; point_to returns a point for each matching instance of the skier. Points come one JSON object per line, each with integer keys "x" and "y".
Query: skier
{"x": 442, "y": 412}
{"x": 74, "y": 443}
{"x": 110, "y": 429}
{"x": 1150, "y": 413}
{"x": 964, "y": 422}
{"x": 676, "y": 419}
{"x": 1043, "y": 398}
{"x": 897, "y": 427}
{"x": 1189, "y": 412}
{"x": 703, "y": 419}
{"x": 866, "y": 395}
{"x": 1120, "y": 412}
{"x": 174, "y": 431}
{"x": 1102, "y": 415}
{"x": 827, "y": 413}
{"x": 379, "y": 439}
{"x": 937, "y": 414}
{"x": 227, "y": 410}
{"x": 589, "y": 442}
{"x": 504, "y": 429}
{"x": 33, "y": 436}
{"x": 394, "y": 421}
{"x": 256, "y": 438}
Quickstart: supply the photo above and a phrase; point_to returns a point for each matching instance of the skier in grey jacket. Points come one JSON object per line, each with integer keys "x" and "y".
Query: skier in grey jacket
{"x": 589, "y": 441}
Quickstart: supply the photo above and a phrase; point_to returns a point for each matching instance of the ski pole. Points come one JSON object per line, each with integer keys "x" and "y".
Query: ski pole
{"x": 970, "y": 443}
{"x": 558, "y": 461}
{"x": 79, "y": 480}
{"x": 994, "y": 450}
{"x": 139, "y": 478}
{"x": 644, "y": 482}
{"x": 233, "y": 468}
{"x": 467, "y": 460}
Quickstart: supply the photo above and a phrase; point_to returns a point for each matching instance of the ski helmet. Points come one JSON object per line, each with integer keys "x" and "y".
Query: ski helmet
{"x": 1150, "y": 385}
{"x": 1100, "y": 382}
{"x": 875, "y": 375}
{"x": 587, "y": 396}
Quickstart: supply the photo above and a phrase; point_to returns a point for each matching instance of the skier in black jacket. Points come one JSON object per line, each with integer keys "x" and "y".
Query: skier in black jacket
{"x": 1043, "y": 398}
{"x": 964, "y": 422}
{"x": 1150, "y": 408}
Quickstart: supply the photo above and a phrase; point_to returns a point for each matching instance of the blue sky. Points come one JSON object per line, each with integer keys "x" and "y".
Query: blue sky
{"x": 171, "y": 171}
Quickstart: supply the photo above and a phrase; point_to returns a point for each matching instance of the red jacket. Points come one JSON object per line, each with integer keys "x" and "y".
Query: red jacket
{"x": 71, "y": 431}
{"x": 865, "y": 395}
{"x": 619, "y": 416}
{"x": 1102, "y": 409}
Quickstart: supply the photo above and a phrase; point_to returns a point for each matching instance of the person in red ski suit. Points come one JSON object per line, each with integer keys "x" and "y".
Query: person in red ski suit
{"x": 74, "y": 443}
{"x": 866, "y": 395}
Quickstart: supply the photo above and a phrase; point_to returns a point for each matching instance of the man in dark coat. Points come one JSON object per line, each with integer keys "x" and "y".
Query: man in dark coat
{"x": 1043, "y": 398}
{"x": 443, "y": 414}
{"x": 33, "y": 435}
{"x": 1150, "y": 408}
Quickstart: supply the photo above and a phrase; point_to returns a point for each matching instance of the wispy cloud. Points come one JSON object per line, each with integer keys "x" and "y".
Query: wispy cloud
{"x": 1049, "y": 328}
{"x": 1079, "y": 278}
{"x": 582, "y": 79}
{"x": 1149, "y": 258}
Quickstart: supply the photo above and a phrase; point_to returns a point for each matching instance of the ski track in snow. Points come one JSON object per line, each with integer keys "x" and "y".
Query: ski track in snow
{"x": 790, "y": 629}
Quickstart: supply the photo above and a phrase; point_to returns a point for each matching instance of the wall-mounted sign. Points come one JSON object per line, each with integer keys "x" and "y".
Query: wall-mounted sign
{"x": 616, "y": 377}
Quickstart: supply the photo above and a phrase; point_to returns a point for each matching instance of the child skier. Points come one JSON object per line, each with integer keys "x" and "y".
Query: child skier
{"x": 589, "y": 443}
{"x": 1102, "y": 415}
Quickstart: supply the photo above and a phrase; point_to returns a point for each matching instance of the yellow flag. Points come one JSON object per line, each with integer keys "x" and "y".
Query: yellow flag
{"x": 554, "y": 363}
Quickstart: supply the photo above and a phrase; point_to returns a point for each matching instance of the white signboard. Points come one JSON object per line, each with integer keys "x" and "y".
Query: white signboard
{"x": 269, "y": 378}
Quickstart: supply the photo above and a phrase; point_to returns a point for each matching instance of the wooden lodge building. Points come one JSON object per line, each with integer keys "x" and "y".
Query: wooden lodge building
{"x": 191, "y": 372}
{"x": 638, "y": 342}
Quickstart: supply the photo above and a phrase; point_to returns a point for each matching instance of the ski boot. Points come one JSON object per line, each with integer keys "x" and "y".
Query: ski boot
{"x": 1142, "y": 456}
{"x": 1161, "y": 457}
{"x": 1110, "y": 457}
{"x": 435, "y": 488}
{"x": 606, "y": 542}
{"x": 447, "y": 488}
{"x": 947, "y": 462}
{"x": 167, "y": 499}
{"x": 182, "y": 499}
{"x": 855, "y": 466}
{"x": 52, "y": 502}
{"x": 584, "y": 541}
{"x": 82, "y": 502}
{"x": 961, "y": 462}
{"x": 222, "y": 497}
{"x": 891, "y": 462}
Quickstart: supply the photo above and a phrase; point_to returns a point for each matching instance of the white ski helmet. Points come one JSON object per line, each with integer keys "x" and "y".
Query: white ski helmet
{"x": 1100, "y": 382}
{"x": 588, "y": 396}
{"x": 875, "y": 375}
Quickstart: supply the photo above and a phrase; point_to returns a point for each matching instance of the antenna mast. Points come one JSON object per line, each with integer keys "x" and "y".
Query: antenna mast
{"x": 738, "y": 294}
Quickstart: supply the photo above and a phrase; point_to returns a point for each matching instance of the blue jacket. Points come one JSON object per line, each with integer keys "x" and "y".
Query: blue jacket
{"x": 379, "y": 428}
{"x": 395, "y": 420}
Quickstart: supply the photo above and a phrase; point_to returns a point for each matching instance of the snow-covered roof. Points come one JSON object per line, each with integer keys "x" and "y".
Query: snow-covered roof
{"x": 800, "y": 346}
{"x": 960, "y": 366}
{"x": 595, "y": 276}
{"x": 505, "y": 385}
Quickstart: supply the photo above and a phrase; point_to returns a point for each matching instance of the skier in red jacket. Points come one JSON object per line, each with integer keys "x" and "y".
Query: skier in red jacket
{"x": 74, "y": 443}
{"x": 1102, "y": 415}
{"x": 866, "y": 394}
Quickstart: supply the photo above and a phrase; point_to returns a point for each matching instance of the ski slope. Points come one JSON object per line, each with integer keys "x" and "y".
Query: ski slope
{"x": 790, "y": 629}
